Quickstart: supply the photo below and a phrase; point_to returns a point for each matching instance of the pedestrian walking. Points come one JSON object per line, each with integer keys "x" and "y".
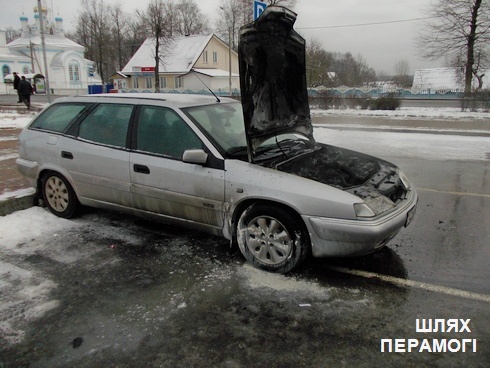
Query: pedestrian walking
{"x": 25, "y": 91}
{"x": 16, "y": 86}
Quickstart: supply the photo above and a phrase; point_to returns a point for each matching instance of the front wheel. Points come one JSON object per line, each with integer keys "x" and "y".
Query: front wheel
{"x": 271, "y": 238}
{"x": 59, "y": 195}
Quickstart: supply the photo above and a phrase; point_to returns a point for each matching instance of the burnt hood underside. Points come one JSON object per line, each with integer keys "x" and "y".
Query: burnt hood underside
{"x": 357, "y": 173}
{"x": 333, "y": 166}
{"x": 273, "y": 78}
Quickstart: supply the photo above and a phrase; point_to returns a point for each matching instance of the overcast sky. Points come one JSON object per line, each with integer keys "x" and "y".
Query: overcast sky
{"x": 334, "y": 23}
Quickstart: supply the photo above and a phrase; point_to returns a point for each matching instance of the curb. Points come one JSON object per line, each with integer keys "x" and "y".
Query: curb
{"x": 16, "y": 201}
{"x": 22, "y": 109}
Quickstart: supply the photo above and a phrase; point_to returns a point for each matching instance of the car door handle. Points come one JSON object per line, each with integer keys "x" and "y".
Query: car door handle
{"x": 67, "y": 155}
{"x": 142, "y": 169}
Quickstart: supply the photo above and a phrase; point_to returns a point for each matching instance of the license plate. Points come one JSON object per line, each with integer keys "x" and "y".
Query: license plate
{"x": 410, "y": 216}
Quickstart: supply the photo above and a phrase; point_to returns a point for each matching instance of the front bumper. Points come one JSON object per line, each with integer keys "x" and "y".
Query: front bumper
{"x": 339, "y": 238}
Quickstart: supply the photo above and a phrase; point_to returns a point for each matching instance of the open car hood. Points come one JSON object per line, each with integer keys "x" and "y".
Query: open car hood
{"x": 273, "y": 78}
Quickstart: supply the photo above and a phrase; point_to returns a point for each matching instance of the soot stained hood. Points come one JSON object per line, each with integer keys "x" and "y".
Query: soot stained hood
{"x": 273, "y": 78}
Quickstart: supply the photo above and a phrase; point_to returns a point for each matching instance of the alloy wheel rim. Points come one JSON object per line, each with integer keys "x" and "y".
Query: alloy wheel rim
{"x": 57, "y": 194}
{"x": 268, "y": 240}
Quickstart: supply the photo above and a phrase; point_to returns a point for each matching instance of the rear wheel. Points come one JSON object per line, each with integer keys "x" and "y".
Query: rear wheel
{"x": 271, "y": 238}
{"x": 59, "y": 195}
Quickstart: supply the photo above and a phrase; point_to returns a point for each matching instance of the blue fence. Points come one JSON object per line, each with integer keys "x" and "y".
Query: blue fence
{"x": 376, "y": 93}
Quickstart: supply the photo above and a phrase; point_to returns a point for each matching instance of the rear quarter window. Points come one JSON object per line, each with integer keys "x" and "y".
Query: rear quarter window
{"x": 58, "y": 117}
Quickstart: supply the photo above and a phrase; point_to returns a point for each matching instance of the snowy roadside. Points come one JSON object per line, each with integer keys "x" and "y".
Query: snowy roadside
{"x": 451, "y": 113}
{"x": 14, "y": 119}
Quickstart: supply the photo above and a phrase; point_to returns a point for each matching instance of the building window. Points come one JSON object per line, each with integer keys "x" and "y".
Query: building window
{"x": 149, "y": 83}
{"x": 179, "y": 82}
{"x": 25, "y": 70}
{"x": 135, "y": 82}
{"x": 163, "y": 82}
{"x": 74, "y": 71}
{"x": 215, "y": 57}
{"x": 5, "y": 70}
{"x": 205, "y": 56}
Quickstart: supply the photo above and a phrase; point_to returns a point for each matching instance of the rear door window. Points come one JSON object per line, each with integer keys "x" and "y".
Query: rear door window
{"x": 59, "y": 117}
{"x": 107, "y": 124}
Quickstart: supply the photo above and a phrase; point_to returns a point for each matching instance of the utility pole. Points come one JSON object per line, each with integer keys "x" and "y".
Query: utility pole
{"x": 43, "y": 45}
{"x": 32, "y": 57}
{"x": 229, "y": 58}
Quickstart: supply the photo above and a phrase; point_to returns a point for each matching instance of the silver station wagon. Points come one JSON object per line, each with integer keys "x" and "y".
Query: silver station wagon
{"x": 249, "y": 172}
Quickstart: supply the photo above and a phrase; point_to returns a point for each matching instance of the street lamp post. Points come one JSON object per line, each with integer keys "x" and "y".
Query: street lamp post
{"x": 43, "y": 45}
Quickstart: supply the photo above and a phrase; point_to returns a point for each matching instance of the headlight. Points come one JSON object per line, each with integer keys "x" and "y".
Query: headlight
{"x": 362, "y": 210}
{"x": 374, "y": 204}
{"x": 403, "y": 178}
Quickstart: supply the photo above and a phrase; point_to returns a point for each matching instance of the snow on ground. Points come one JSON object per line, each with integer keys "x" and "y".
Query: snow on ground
{"x": 16, "y": 237}
{"x": 16, "y": 194}
{"x": 452, "y": 113}
{"x": 393, "y": 144}
{"x": 14, "y": 119}
{"x": 24, "y": 291}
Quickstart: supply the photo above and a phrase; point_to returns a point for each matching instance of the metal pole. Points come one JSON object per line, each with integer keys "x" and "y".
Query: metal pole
{"x": 43, "y": 45}
{"x": 32, "y": 58}
{"x": 229, "y": 57}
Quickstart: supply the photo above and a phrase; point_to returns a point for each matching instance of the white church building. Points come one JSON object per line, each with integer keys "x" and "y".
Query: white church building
{"x": 69, "y": 72}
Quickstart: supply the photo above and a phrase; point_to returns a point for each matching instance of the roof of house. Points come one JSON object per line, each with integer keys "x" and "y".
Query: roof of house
{"x": 214, "y": 72}
{"x": 49, "y": 40}
{"x": 179, "y": 57}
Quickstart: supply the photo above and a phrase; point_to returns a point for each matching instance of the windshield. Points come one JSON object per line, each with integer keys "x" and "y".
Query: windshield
{"x": 223, "y": 125}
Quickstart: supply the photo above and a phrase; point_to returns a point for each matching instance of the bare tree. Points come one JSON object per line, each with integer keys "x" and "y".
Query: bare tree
{"x": 402, "y": 70}
{"x": 94, "y": 32}
{"x": 318, "y": 65}
{"x": 189, "y": 18}
{"x": 230, "y": 21}
{"x": 402, "y": 67}
{"x": 157, "y": 18}
{"x": 352, "y": 71}
{"x": 286, "y": 3}
{"x": 12, "y": 34}
{"x": 460, "y": 29}
{"x": 120, "y": 27}
{"x": 236, "y": 13}
{"x": 135, "y": 36}
{"x": 334, "y": 69}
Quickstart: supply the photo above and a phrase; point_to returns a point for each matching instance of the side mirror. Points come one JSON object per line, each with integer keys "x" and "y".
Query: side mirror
{"x": 195, "y": 156}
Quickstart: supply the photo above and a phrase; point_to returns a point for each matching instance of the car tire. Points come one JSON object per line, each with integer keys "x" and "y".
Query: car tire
{"x": 271, "y": 238}
{"x": 59, "y": 196}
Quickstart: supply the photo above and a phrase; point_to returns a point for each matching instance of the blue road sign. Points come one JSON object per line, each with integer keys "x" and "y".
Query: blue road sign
{"x": 259, "y": 7}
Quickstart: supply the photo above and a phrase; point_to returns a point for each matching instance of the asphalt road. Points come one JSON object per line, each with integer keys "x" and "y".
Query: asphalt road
{"x": 107, "y": 290}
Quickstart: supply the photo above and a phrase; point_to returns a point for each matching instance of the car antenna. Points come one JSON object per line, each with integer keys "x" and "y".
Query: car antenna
{"x": 209, "y": 89}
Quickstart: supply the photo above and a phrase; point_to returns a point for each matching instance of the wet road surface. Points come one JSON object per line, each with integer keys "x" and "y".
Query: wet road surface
{"x": 115, "y": 291}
